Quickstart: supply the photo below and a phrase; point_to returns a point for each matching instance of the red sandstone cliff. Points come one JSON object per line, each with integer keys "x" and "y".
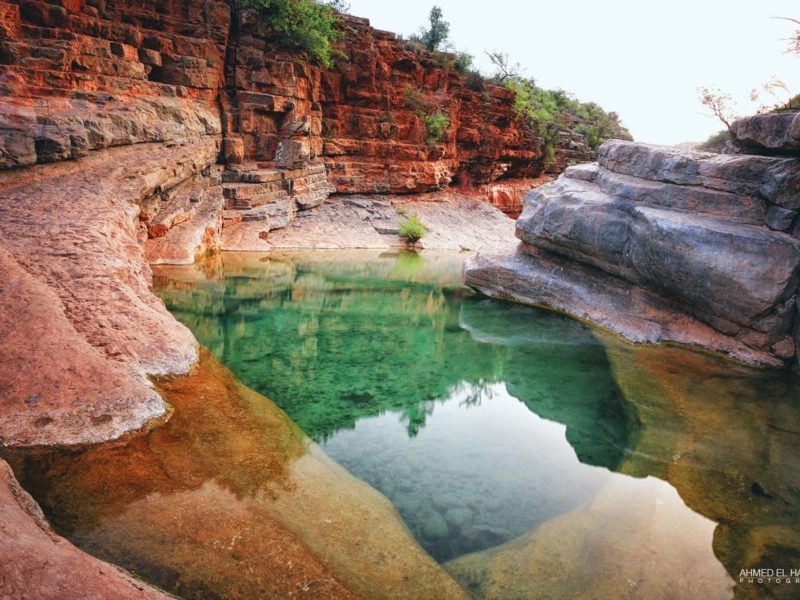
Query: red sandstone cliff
{"x": 80, "y": 75}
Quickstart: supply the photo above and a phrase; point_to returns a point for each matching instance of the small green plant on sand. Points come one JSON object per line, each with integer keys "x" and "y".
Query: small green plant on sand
{"x": 412, "y": 228}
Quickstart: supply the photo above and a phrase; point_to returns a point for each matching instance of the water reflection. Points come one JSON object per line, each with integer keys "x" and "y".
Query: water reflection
{"x": 531, "y": 455}
{"x": 354, "y": 335}
{"x": 365, "y": 363}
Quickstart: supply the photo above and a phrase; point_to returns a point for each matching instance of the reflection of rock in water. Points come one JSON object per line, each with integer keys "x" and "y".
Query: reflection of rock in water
{"x": 726, "y": 437}
{"x": 229, "y": 499}
{"x": 560, "y": 371}
{"x": 635, "y": 539}
{"x": 482, "y": 471}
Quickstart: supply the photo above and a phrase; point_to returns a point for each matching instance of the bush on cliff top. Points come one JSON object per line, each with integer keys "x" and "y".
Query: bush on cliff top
{"x": 303, "y": 25}
{"x": 549, "y": 112}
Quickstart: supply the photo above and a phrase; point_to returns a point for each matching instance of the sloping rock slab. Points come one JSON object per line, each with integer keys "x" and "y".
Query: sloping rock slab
{"x": 81, "y": 329}
{"x": 52, "y": 568}
{"x": 540, "y": 278}
{"x": 776, "y": 180}
{"x": 718, "y": 266}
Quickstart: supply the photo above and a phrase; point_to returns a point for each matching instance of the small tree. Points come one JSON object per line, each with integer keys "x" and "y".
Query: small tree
{"x": 434, "y": 37}
{"x": 436, "y": 123}
{"x": 505, "y": 70}
{"x": 781, "y": 96}
{"x": 794, "y": 41}
{"x": 719, "y": 103}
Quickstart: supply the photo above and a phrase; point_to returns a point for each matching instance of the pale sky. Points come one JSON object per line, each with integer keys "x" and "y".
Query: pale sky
{"x": 643, "y": 60}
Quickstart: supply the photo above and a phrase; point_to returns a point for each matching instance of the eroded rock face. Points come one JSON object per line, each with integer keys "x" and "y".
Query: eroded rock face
{"x": 682, "y": 246}
{"x": 777, "y": 133}
{"x": 77, "y": 371}
{"x": 52, "y": 568}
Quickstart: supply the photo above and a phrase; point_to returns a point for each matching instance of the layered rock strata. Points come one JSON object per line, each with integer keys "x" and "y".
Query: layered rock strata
{"x": 660, "y": 244}
{"x": 75, "y": 275}
{"x": 85, "y": 75}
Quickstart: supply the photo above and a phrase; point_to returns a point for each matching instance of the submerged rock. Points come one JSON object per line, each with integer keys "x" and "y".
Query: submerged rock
{"x": 230, "y": 499}
{"x": 52, "y": 568}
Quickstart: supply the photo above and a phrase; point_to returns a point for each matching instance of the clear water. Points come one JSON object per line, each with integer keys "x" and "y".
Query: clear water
{"x": 530, "y": 455}
{"x": 441, "y": 400}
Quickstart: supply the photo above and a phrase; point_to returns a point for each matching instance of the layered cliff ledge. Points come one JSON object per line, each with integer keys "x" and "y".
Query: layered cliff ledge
{"x": 662, "y": 245}
{"x": 81, "y": 76}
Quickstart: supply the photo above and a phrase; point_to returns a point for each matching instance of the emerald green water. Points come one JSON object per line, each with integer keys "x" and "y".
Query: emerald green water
{"x": 532, "y": 456}
{"x": 443, "y": 401}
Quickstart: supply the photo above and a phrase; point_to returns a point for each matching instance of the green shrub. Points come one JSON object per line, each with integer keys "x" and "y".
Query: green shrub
{"x": 412, "y": 228}
{"x": 463, "y": 62}
{"x": 436, "y": 124}
{"x": 303, "y": 25}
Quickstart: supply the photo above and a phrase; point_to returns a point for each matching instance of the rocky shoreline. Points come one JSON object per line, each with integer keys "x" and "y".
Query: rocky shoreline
{"x": 662, "y": 245}
{"x": 134, "y": 134}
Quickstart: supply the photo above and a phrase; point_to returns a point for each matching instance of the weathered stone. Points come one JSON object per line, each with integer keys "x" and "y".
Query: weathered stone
{"x": 769, "y": 133}
{"x": 187, "y": 239}
{"x": 234, "y": 149}
{"x": 776, "y": 180}
{"x": 587, "y": 172}
{"x": 714, "y": 265}
{"x": 662, "y": 234}
{"x": 780, "y": 218}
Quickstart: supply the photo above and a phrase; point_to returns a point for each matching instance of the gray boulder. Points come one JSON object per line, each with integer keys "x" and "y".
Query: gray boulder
{"x": 777, "y": 133}
{"x": 661, "y": 244}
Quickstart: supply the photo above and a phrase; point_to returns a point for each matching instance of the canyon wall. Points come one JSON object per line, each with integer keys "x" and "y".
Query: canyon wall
{"x": 133, "y": 132}
{"x": 83, "y": 75}
{"x": 660, "y": 244}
